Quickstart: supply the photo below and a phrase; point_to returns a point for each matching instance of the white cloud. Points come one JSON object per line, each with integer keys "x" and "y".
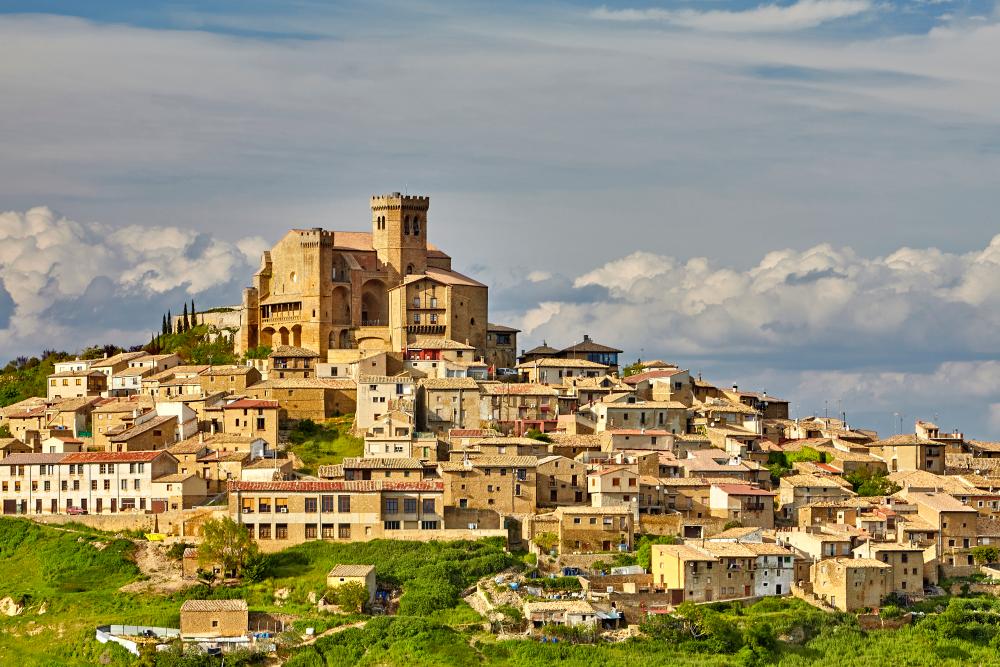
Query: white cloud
{"x": 70, "y": 280}
{"x": 538, "y": 276}
{"x": 763, "y": 18}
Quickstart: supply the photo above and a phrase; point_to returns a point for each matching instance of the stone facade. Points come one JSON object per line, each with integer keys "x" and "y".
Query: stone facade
{"x": 323, "y": 290}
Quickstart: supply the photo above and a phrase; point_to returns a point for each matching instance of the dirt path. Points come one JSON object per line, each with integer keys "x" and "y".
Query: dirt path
{"x": 164, "y": 575}
{"x": 332, "y": 631}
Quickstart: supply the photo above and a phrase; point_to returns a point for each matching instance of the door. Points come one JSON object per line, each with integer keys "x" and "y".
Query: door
{"x": 746, "y": 591}
{"x": 708, "y": 595}
{"x": 100, "y": 505}
{"x": 114, "y": 505}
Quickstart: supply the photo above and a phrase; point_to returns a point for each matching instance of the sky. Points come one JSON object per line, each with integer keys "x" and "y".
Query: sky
{"x": 796, "y": 196}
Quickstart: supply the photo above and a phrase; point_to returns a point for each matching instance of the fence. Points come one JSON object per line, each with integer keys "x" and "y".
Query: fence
{"x": 119, "y": 633}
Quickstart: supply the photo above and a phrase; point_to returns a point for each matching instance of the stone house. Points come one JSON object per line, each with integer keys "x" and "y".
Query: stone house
{"x": 585, "y": 529}
{"x": 214, "y": 619}
{"x": 851, "y": 584}
{"x": 504, "y": 484}
{"x": 751, "y": 506}
{"x": 252, "y": 417}
{"x": 358, "y": 574}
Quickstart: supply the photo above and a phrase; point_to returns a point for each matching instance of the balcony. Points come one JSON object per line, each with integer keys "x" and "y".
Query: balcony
{"x": 426, "y": 328}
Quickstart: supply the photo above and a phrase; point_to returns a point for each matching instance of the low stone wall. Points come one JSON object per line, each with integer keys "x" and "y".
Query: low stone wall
{"x": 446, "y": 535}
{"x": 876, "y": 622}
{"x": 106, "y": 522}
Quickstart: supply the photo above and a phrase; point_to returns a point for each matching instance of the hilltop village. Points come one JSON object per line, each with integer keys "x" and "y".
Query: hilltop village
{"x": 564, "y": 450}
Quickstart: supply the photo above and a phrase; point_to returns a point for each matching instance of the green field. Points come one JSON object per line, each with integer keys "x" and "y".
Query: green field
{"x": 67, "y": 582}
{"x": 325, "y": 443}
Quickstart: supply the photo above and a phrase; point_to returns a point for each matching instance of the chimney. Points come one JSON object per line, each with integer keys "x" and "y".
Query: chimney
{"x": 586, "y": 338}
{"x": 736, "y": 388}
{"x": 201, "y": 437}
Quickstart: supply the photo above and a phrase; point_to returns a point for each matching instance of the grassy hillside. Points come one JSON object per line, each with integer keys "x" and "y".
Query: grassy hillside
{"x": 324, "y": 444}
{"x": 67, "y": 582}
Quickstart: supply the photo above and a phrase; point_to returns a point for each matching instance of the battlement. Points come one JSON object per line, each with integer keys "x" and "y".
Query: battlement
{"x": 315, "y": 232}
{"x": 396, "y": 200}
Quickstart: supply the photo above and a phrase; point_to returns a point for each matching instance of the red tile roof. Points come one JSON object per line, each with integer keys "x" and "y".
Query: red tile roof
{"x": 114, "y": 457}
{"x": 743, "y": 490}
{"x": 251, "y": 403}
{"x": 367, "y": 485}
{"x": 651, "y": 375}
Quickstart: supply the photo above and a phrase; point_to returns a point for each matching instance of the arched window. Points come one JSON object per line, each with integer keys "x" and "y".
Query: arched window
{"x": 472, "y": 321}
{"x": 416, "y": 226}
{"x": 409, "y": 269}
{"x": 406, "y": 226}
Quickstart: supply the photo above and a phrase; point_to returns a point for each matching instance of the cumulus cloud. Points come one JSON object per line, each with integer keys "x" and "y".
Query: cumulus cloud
{"x": 914, "y": 331}
{"x": 71, "y": 283}
{"x": 817, "y": 306}
{"x": 763, "y": 18}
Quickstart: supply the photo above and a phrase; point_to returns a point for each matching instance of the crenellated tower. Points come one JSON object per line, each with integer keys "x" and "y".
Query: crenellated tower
{"x": 399, "y": 234}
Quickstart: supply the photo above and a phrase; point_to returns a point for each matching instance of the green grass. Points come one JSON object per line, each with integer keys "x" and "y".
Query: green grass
{"x": 76, "y": 583}
{"x": 327, "y": 443}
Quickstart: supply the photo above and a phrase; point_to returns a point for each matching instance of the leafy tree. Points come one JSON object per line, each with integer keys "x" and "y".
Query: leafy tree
{"x": 866, "y": 483}
{"x": 350, "y": 597}
{"x": 644, "y": 553}
{"x": 546, "y": 541}
{"x": 985, "y": 554}
{"x": 535, "y": 434}
{"x": 633, "y": 369}
{"x": 227, "y": 543}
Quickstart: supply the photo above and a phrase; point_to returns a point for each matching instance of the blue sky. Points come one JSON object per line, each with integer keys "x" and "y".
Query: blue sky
{"x": 799, "y": 196}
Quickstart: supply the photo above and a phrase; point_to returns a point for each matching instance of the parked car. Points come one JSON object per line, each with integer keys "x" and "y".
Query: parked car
{"x": 75, "y": 511}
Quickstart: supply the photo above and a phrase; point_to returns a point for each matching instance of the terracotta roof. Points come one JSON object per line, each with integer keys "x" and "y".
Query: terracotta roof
{"x": 743, "y": 490}
{"x": 223, "y": 457}
{"x": 346, "y": 570}
{"x": 427, "y": 343}
{"x": 76, "y": 374}
{"x": 266, "y": 463}
{"x": 904, "y": 440}
{"x": 588, "y": 509}
{"x": 684, "y": 552}
{"x": 25, "y": 459}
{"x": 282, "y": 351}
{"x": 472, "y": 433}
{"x": 347, "y": 486}
{"x": 214, "y": 605}
{"x": 767, "y": 549}
{"x": 139, "y": 429}
{"x": 736, "y": 533}
{"x": 541, "y": 350}
{"x": 449, "y": 383}
{"x": 227, "y": 370}
{"x": 362, "y": 463}
{"x": 517, "y": 389}
{"x": 727, "y": 549}
{"x": 115, "y": 457}
{"x": 811, "y": 480}
{"x": 250, "y": 404}
{"x": 652, "y": 375}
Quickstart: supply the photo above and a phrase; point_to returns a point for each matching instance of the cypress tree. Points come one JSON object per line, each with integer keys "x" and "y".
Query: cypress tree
{"x": 163, "y": 327}
{"x": 185, "y": 325}
{"x": 170, "y": 322}
{"x": 194, "y": 319}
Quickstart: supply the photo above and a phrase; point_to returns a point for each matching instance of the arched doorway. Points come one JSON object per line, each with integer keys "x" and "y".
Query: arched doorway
{"x": 374, "y": 306}
{"x": 297, "y": 335}
{"x": 283, "y": 336}
{"x": 266, "y": 336}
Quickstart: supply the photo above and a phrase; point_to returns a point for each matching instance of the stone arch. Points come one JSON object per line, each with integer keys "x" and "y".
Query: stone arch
{"x": 266, "y": 336}
{"x": 374, "y": 303}
{"x": 341, "y": 305}
{"x": 283, "y": 336}
{"x": 297, "y": 335}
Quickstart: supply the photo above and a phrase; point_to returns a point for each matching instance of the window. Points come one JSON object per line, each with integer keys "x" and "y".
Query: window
{"x": 264, "y": 531}
{"x": 281, "y": 531}
{"x": 311, "y": 530}
{"x": 409, "y": 505}
{"x": 416, "y": 226}
{"x": 93, "y": 485}
{"x": 391, "y": 506}
{"x": 391, "y": 525}
{"x": 343, "y": 503}
{"x": 311, "y": 507}
{"x": 344, "y": 531}
{"x": 107, "y": 485}
{"x": 328, "y": 503}
{"x": 329, "y": 531}
{"x": 428, "y": 506}
{"x": 416, "y": 302}
{"x": 429, "y": 525}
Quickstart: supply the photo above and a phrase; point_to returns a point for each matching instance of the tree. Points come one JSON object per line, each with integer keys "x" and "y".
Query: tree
{"x": 170, "y": 322}
{"x": 163, "y": 328}
{"x": 546, "y": 541}
{"x": 350, "y": 597}
{"x": 194, "y": 318}
{"x": 644, "y": 554}
{"x": 985, "y": 554}
{"x": 535, "y": 434}
{"x": 866, "y": 483}
{"x": 633, "y": 369}
{"x": 227, "y": 543}
{"x": 185, "y": 325}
